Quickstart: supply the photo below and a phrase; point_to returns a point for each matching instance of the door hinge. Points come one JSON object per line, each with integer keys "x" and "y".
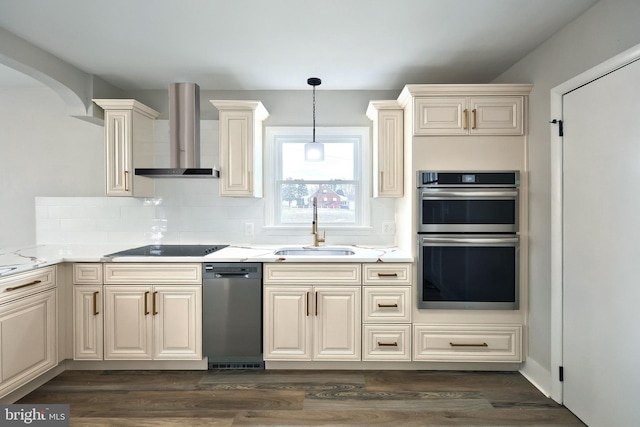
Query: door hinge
{"x": 561, "y": 373}
{"x": 560, "y": 127}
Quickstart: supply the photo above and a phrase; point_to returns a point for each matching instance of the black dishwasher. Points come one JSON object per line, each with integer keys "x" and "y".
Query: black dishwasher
{"x": 232, "y": 315}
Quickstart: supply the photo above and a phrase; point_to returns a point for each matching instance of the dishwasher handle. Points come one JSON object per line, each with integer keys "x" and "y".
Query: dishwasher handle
{"x": 235, "y": 275}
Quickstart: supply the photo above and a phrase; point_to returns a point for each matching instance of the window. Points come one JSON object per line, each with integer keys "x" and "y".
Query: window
{"x": 337, "y": 182}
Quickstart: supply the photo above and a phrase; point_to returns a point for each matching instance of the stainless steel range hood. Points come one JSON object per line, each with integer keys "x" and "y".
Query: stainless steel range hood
{"x": 184, "y": 136}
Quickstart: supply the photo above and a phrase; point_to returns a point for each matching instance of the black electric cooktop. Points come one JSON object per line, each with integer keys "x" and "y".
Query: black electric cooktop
{"x": 170, "y": 250}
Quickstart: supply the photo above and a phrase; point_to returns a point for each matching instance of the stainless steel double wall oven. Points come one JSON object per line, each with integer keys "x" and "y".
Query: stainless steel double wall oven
{"x": 468, "y": 243}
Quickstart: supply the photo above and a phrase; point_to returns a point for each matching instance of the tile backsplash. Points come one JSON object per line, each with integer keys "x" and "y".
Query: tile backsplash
{"x": 185, "y": 211}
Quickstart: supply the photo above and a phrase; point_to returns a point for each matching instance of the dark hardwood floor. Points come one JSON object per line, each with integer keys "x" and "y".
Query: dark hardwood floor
{"x": 301, "y": 398}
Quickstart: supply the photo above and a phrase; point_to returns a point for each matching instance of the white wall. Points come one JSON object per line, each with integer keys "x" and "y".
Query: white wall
{"x": 53, "y": 165}
{"x": 608, "y": 28}
{"x": 43, "y": 151}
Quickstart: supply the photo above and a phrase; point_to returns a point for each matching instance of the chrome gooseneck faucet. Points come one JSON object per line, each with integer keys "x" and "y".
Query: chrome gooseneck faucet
{"x": 314, "y": 224}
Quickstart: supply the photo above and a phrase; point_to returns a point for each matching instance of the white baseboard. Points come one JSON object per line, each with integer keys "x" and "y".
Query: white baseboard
{"x": 537, "y": 375}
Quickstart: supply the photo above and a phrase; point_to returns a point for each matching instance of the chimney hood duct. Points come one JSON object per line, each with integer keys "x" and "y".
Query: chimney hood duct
{"x": 184, "y": 136}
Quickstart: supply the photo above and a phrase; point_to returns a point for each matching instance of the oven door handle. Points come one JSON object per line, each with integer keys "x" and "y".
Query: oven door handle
{"x": 471, "y": 240}
{"x": 437, "y": 195}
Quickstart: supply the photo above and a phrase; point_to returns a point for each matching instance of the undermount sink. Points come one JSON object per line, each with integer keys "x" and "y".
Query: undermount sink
{"x": 314, "y": 251}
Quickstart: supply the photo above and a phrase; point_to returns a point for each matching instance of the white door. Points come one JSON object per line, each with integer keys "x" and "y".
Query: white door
{"x": 601, "y": 249}
{"x": 177, "y": 322}
{"x": 337, "y": 325}
{"x": 127, "y": 322}
{"x": 287, "y": 323}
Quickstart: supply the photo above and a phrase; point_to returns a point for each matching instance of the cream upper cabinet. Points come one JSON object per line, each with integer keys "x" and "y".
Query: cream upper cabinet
{"x": 488, "y": 115}
{"x": 466, "y": 109}
{"x": 128, "y": 127}
{"x": 241, "y": 147}
{"x": 388, "y": 149}
{"x": 28, "y": 327}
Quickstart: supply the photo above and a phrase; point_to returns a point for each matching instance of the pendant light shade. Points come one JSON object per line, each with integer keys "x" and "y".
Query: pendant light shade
{"x": 314, "y": 151}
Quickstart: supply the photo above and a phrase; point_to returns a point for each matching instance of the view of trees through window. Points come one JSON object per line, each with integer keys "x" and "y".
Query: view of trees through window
{"x": 332, "y": 181}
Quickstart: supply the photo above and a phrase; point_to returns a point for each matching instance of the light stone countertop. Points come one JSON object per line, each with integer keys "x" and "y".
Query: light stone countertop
{"x": 20, "y": 259}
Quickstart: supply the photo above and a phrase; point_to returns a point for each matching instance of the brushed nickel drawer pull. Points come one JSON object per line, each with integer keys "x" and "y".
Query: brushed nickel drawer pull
{"x": 35, "y": 282}
{"x": 387, "y": 274}
{"x": 384, "y": 344}
{"x": 484, "y": 344}
{"x": 387, "y": 305}
{"x": 95, "y": 303}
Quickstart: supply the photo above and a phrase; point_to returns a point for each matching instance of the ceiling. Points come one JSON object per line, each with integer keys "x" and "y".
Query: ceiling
{"x": 278, "y": 44}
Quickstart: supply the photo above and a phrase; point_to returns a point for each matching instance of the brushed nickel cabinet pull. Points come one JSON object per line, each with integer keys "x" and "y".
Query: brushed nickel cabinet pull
{"x": 95, "y": 303}
{"x": 387, "y": 274}
{"x": 466, "y": 119}
{"x": 384, "y": 344}
{"x": 484, "y": 344}
{"x": 387, "y": 305}
{"x": 35, "y": 282}
{"x": 155, "y": 308}
{"x": 146, "y": 306}
{"x": 474, "y": 118}
{"x": 307, "y": 303}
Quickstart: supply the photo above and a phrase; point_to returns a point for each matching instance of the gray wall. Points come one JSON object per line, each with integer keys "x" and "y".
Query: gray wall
{"x": 608, "y": 28}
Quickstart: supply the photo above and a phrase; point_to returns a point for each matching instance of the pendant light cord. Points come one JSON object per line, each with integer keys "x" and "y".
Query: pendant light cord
{"x": 314, "y": 114}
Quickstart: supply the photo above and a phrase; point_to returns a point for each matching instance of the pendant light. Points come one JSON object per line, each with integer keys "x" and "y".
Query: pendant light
{"x": 314, "y": 151}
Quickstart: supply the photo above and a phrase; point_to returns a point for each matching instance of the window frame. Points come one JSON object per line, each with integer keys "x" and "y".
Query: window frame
{"x": 272, "y": 167}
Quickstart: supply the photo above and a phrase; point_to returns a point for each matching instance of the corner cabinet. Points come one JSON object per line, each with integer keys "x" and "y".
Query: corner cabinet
{"x": 240, "y": 147}
{"x": 312, "y": 312}
{"x": 128, "y": 128}
{"x": 28, "y": 327}
{"x": 388, "y": 153}
{"x": 491, "y": 109}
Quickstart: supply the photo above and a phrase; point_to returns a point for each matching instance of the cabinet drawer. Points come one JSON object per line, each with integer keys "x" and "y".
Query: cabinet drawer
{"x": 87, "y": 274}
{"x": 152, "y": 274}
{"x": 386, "y": 274}
{"x": 387, "y": 342}
{"x": 313, "y": 274}
{"x": 23, "y": 284}
{"x": 467, "y": 343}
{"x": 387, "y": 304}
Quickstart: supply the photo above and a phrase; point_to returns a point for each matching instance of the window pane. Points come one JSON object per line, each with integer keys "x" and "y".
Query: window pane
{"x": 338, "y": 162}
{"x": 336, "y": 202}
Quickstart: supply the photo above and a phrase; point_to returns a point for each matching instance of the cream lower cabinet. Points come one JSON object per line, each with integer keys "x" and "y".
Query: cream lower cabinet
{"x": 312, "y": 323}
{"x": 28, "y": 327}
{"x": 152, "y": 322}
{"x": 386, "y": 312}
{"x": 88, "y": 313}
{"x": 319, "y": 321}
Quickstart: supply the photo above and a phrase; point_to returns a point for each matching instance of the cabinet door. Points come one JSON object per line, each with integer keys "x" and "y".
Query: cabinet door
{"x": 177, "y": 322}
{"x": 441, "y": 116}
{"x": 337, "y": 324}
{"x": 236, "y": 153}
{"x": 28, "y": 339}
{"x": 496, "y": 115}
{"x": 128, "y": 322}
{"x": 287, "y": 323}
{"x": 388, "y": 154}
{"x": 87, "y": 322}
{"x": 117, "y": 124}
